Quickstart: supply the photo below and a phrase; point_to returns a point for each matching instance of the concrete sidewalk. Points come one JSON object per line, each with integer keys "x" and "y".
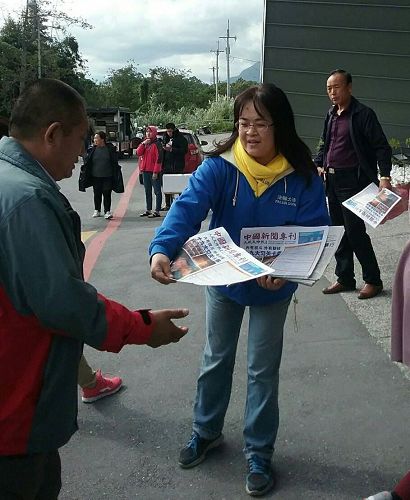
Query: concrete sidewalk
{"x": 343, "y": 434}
{"x": 388, "y": 240}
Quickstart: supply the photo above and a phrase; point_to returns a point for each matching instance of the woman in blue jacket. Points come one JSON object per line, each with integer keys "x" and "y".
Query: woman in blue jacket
{"x": 262, "y": 175}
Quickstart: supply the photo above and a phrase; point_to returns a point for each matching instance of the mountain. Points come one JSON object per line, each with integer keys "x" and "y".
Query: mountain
{"x": 251, "y": 74}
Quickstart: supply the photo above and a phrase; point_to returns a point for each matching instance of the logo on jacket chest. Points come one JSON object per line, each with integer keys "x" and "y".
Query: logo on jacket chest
{"x": 283, "y": 199}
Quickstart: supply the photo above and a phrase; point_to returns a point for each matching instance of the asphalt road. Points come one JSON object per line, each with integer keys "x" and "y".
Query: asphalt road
{"x": 343, "y": 434}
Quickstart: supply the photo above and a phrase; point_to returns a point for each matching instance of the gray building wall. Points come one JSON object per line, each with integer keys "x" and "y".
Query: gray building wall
{"x": 305, "y": 40}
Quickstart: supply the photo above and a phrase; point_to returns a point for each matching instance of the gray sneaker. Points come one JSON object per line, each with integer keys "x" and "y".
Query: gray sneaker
{"x": 260, "y": 477}
{"x": 196, "y": 449}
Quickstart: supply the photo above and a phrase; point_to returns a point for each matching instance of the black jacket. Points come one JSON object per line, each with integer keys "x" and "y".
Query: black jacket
{"x": 368, "y": 139}
{"x": 86, "y": 179}
{"x": 174, "y": 161}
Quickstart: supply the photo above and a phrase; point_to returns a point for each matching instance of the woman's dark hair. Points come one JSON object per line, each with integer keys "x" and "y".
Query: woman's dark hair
{"x": 267, "y": 96}
{"x": 102, "y": 135}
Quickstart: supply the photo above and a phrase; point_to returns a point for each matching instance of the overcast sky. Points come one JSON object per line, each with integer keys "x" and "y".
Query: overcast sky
{"x": 172, "y": 33}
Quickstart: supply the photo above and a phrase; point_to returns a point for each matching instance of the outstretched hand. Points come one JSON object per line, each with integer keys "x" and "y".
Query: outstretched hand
{"x": 161, "y": 269}
{"x": 165, "y": 331}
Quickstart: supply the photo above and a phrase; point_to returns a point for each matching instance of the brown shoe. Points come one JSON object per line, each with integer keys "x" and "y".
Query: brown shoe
{"x": 369, "y": 291}
{"x": 337, "y": 288}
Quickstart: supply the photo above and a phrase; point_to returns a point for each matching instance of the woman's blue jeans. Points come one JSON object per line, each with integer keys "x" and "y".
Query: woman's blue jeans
{"x": 149, "y": 184}
{"x": 265, "y": 341}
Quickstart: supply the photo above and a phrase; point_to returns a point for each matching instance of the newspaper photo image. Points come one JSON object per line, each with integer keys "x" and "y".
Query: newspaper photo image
{"x": 371, "y": 204}
{"x": 212, "y": 258}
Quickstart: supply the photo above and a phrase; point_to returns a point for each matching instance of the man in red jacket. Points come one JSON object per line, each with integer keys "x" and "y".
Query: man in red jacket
{"x": 47, "y": 310}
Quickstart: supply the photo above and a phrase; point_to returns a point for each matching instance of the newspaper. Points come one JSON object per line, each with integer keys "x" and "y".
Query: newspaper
{"x": 293, "y": 251}
{"x": 372, "y": 205}
{"x": 212, "y": 258}
{"x": 334, "y": 236}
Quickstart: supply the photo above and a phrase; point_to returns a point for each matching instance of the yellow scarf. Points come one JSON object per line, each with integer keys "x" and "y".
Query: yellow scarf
{"x": 260, "y": 177}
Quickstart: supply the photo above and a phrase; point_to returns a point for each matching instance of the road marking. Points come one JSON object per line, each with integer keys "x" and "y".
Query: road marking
{"x": 97, "y": 243}
{"x": 85, "y": 235}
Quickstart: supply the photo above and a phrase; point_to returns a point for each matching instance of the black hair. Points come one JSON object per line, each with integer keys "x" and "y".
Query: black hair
{"x": 44, "y": 102}
{"x": 4, "y": 127}
{"x": 346, "y": 74}
{"x": 271, "y": 98}
{"x": 102, "y": 135}
{"x": 170, "y": 126}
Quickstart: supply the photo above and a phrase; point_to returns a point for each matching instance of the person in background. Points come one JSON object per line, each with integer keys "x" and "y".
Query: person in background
{"x": 150, "y": 165}
{"x": 400, "y": 492}
{"x": 400, "y": 349}
{"x": 47, "y": 309}
{"x": 262, "y": 175}
{"x": 94, "y": 385}
{"x": 100, "y": 164}
{"x": 175, "y": 148}
{"x": 353, "y": 145}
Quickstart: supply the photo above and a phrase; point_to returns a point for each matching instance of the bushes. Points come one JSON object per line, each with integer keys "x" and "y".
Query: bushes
{"x": 218, "y": 116}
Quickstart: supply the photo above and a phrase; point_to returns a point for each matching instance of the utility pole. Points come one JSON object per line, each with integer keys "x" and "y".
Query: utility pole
{"x": 34, "y": 8}
{"x": 217, "y": 52}
{"x": 228, "y": 51}
{"x": 23, "y": 67}
{"x": 38, "y": 46}
{"x": 213, "y": 75}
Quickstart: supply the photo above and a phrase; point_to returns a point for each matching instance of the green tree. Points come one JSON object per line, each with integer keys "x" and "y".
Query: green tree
{"x": 240, "y": 85}
{"x": 122, "y": 87}
{"x": 28, "y": 48}
{"x": 177, "y": 88}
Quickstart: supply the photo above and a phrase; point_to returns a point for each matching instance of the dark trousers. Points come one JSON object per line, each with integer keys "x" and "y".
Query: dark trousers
{"x": 149, "y": 184}
{"x": 168, "y": 199}
{"x": 340, "y": 186}
{"x": 102, "y": 187}
{"x": 30, "y": 477}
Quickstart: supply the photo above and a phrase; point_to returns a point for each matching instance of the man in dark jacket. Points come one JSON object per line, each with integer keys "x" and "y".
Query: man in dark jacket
{"x": 47, "y": 309}
{"x": 353, "y": 149}
{"x": 175, "y": 148}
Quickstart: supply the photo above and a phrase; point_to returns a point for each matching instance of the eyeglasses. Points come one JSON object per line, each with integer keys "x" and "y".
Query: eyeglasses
{"x": 260, "y": 127}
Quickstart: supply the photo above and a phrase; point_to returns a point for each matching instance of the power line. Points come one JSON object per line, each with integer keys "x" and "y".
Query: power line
{"x": 243, "y": 59}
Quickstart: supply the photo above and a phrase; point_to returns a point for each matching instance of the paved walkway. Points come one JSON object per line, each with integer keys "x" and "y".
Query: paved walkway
{"x": 343, "y": 431}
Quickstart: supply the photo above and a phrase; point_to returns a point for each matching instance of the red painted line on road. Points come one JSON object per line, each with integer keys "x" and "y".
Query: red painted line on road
{"x": 97, "y": 243}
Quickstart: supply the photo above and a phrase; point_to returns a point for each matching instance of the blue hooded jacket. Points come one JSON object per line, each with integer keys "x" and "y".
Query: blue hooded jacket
{"x": 219, "y": 186}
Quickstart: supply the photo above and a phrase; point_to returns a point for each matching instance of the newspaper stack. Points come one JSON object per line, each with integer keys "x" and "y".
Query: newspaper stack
{"x": 296, "y": 253}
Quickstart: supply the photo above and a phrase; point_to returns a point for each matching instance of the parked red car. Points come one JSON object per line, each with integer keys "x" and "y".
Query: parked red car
{"x": 195, "y": 155}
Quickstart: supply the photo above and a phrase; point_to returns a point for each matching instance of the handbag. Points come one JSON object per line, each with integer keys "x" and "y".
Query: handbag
{"x": 85, "y": 179}
{"x": 118, "y": 181}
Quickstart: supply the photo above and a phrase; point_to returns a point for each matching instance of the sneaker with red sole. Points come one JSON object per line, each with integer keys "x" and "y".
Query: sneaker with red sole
{"x": 105, "y": 386}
